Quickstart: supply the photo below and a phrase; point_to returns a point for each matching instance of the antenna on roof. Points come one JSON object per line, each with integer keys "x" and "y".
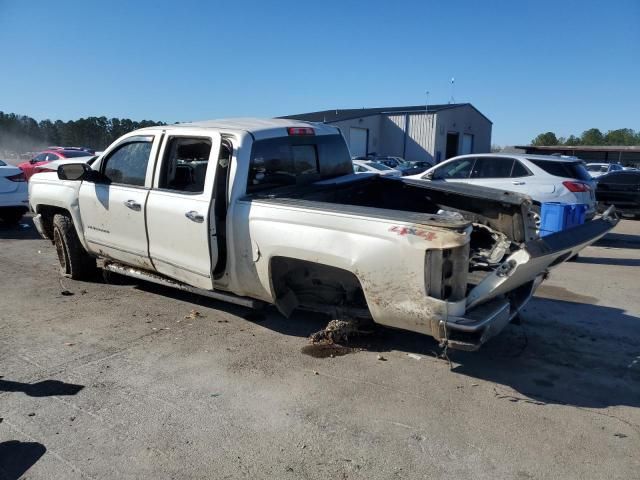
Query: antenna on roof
{"x": 453, "y": 88}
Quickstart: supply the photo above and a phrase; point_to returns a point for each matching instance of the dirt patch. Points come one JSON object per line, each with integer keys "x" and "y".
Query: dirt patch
{"x": 561, "y": 293}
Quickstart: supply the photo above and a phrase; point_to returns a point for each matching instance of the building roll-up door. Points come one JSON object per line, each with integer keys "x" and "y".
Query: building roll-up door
{"x": 467, "y": 144}
{"x": 358, "y": 141}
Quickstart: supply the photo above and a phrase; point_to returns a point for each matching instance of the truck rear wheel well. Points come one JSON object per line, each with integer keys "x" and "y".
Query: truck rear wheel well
{"x": 314, "y": 286}
{"x": 48, "y": 212}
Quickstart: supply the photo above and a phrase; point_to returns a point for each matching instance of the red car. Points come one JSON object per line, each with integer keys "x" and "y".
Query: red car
{"x": 29, "y": 168}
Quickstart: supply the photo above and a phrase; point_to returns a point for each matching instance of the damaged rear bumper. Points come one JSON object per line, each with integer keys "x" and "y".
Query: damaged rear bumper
{"x": 498, "y": 298}
{"x": 484, "y": 321}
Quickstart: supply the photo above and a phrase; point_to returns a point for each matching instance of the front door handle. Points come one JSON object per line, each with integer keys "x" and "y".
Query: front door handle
{"x": 194, "y": 216}
{"x": 133, "y": 205}
{"x": 518, "y": 183}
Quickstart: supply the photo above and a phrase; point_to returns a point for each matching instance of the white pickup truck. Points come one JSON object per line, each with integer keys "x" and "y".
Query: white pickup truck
{"x": 269, "y": 212}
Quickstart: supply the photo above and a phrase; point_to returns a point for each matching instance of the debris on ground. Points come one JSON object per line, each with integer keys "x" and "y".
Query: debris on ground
{"x": 31, "y": 414}
{"x": 193, "y": 314}
{"x": 316, "y": 373}
{"x": 381, "y": 358}
{"x": 66, "y": 293}
{"x": 414, "y": 356}
{"x": 69, "y": 344}
{"x": 339, "y": 331}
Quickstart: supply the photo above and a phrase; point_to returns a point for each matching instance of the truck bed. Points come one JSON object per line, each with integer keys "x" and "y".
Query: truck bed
{"x": 413, "y": 201}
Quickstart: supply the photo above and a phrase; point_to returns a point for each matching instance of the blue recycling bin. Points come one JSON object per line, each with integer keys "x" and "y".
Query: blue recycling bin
{"x": 555, "y": 216}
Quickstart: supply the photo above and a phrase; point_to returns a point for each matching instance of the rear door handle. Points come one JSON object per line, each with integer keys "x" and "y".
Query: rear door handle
{"x": 133, "y": 205}
{"x": 518, "y": 183}
{"x": 194, "y": 216}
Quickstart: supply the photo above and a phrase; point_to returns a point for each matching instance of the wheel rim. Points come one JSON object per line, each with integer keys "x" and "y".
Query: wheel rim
{"x": 61, "y": 251}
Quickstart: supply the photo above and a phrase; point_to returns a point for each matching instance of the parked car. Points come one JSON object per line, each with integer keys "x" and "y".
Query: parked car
{"x": 405, "y": 167}
{"x": 621, "y": 189}
{"x": 50, "y": 155}
{"x": 13, "y": 193}
{"x": 598, "y": 169}
{"x": 369, "y": 166}
{"x": 53, "y": 166}
{"x": 545, "y": 178}
{"x": 278, "y": 217}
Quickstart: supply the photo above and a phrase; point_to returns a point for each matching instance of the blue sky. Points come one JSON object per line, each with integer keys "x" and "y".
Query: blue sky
{"x": 529, "y": 66}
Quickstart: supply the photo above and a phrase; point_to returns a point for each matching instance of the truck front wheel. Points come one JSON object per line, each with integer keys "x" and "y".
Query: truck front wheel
{"x": 75, "y": 262}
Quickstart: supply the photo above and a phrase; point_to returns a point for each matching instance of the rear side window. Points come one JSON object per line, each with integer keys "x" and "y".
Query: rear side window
{"x": 297, "y": 160}
{"x": 558, "y": 168}
{"x": 519, "y": 170}
{"x": 492, "y": 167}
{"x": 2, "y": 164}
{"x": 185, "y": 164}
{"x": 456, "y": 169}
{"x": 127, "y": 165}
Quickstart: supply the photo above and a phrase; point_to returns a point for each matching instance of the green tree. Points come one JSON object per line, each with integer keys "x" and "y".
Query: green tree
{"x": 593, "y": 136}
{"x": 622, "y": 136}
{"x": 572, "y": 140}
{"x": 548, "y": 138}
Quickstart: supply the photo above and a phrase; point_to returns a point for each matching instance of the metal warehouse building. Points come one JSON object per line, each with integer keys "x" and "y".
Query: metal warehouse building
{"x": 432, "y": 133}
{"x": 629, "y": 156}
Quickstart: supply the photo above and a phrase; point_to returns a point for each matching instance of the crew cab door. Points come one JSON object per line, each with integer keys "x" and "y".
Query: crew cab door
{"x": 112, "y": 207}
{"x": 182, "y": 243}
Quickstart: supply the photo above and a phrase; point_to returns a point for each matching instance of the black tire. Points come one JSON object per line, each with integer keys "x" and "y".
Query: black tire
{"x": 74, "y": 260}
{"x": 11, "y": 217}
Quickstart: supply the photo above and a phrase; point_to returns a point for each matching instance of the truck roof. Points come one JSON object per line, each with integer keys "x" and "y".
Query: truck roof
{"x": 260, "y": 127}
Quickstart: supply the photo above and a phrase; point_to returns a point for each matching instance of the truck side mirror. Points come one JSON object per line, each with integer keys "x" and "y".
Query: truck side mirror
{"x": 73, "y": 171}
{"x": 429, "y": 175}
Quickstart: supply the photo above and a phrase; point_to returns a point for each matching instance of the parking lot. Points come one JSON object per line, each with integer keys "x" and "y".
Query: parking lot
{"x": 131, "y": 380}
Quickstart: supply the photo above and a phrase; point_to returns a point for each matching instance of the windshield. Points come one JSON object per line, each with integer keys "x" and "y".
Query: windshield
{"x": 2, "y": 164}
{"x": 297, "y": 160}
{"x": 378, "y": 166}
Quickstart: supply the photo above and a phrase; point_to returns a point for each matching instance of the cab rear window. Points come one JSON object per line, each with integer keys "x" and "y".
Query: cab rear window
{"x": 558, "y": 168}
{"x": 297, "y": 160}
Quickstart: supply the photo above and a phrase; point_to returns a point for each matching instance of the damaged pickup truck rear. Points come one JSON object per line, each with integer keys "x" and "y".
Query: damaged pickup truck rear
{"x": 262, "y": 212}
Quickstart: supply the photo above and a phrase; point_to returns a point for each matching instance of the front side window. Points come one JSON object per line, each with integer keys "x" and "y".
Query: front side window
{"x": 185, "y": 164}
{"x": 457, "y": 169}
{"x": 492, "y": 167}
{"x": 40, "y": 158}
{"x": 127, "y": 165}
{"x": 51, "y": 157}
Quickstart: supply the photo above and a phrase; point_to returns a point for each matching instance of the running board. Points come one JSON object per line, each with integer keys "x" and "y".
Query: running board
{"x": 167, "y": 282}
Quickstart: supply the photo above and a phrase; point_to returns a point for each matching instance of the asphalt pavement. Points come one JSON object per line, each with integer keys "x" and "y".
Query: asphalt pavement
{"x": 137, "y": 381}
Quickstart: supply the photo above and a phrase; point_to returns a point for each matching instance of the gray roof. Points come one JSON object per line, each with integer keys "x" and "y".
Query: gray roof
{"x": 584, "y": 148}
{"x": 336, "y": 115}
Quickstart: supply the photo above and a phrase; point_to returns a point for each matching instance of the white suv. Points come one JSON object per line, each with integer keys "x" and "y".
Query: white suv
{"x": 543, "y": 178}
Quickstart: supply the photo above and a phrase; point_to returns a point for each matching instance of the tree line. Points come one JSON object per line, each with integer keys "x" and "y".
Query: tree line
{"x": 593, "y": 136}
{"x": 20, "y": 133}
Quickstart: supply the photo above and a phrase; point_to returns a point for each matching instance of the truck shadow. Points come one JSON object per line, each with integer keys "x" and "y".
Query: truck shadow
{"x": 24, "y": 230}
{"x": 17, "y": 457}
{"x": 565, "y": 353}
{"x": 619, "y": 240}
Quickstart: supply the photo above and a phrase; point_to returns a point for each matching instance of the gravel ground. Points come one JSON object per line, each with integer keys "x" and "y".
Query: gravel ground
{"x": 114, "y": 382}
